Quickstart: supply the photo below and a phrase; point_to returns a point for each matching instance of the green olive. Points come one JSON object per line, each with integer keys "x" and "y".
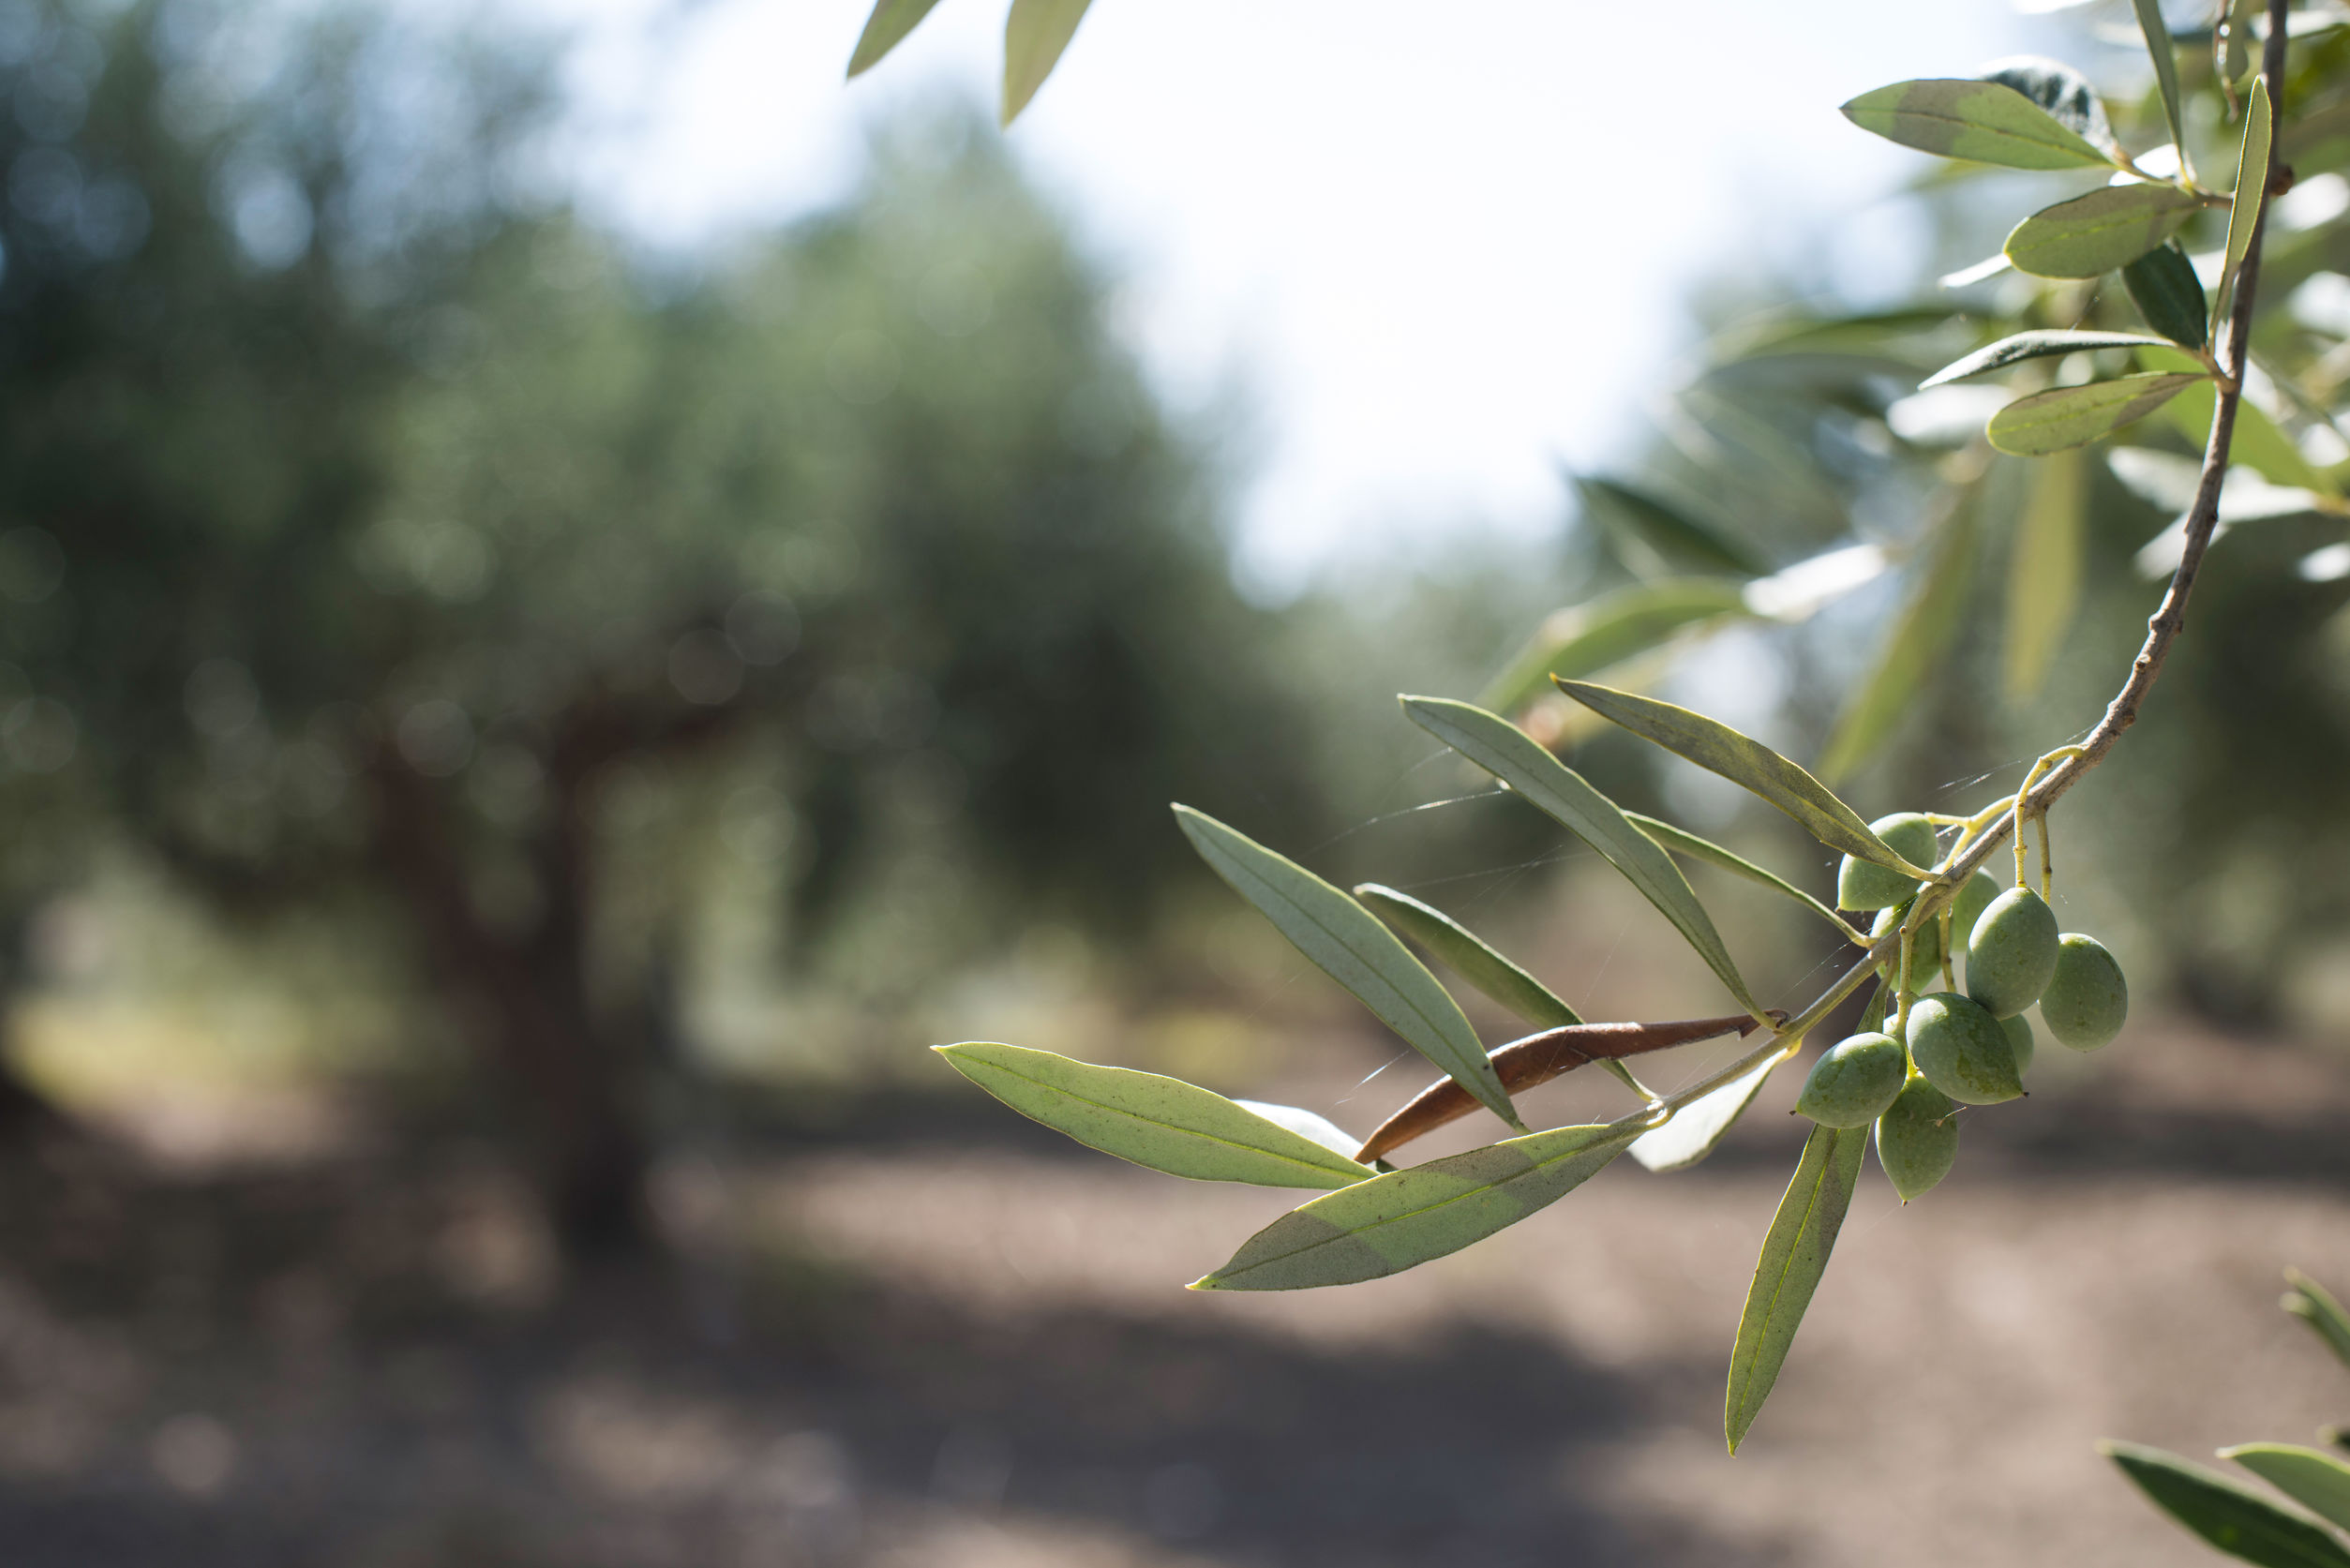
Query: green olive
{"x": 2019, "y": 1040}
{"x": 1968, "y": 906}
{"x": 2087, "y": 998}
{"x": 1917, "y": 1139}
{"x": 1866, "y": 885}
{"x": 1962, "y": 1050}
{"x": 1925, "y": 946}
{"x": 1854, "y": 1081}
{"x": 2012, "y": 953}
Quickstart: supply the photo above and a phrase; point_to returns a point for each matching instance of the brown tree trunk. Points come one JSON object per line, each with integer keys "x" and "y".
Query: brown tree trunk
{"x": 571, "y": 1082}
{"x": 25, "y": 1110}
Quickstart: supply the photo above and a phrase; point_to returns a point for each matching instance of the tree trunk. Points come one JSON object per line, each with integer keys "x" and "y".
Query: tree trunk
{"x": 25, "y": 1110}
{"x": 569, "y": 1078}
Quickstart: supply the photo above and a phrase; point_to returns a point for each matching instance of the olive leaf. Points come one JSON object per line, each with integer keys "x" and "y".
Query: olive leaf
{"x": 1392, "y": 1223}
{"x": 2158, "y": 44}
{"x": 1697, "y": 1128}
{"x": 1986, "y": 122}
{"x": 1880, "y": 1001}
{"x": 1347, "y": 942}
{"x": 1162, "y": 1123}
{"x": 2310, "y": 1477}
{"x": 1794, "y": 1256}
{"x": 1919, "y": 636}
{"x": 1747, "y": 763}
{"x": 1515, "y": 759}
{"x": 2066, "y": 416}
{"x": 1658, "y": 539}
{"x": 1584, "y": 639}
{"x": 1034, "y": 34}
{"x": 2168, "y": 292}
{"x": 2251, "y": 186}
{"x": 2309, "y": 1301}
{"x": 1885, "y": 333}
{"x": 2043, "y": 579}
{"x": 890, "y": 20}
{"x": 2034, "y": 345}
{"x": 2231, "y": 1517}
{"x": 1475, "y": 960}
{"x": 2063, "y": 91}
{"x": 1686, "y": 843}
{"x": 2093, "y": 234}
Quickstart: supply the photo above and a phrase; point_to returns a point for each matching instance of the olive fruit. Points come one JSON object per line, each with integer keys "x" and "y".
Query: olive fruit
{"x": 1854, "y": 1081}
{"x": 1917, "y": 1138}
{"x": 2019, "y": 1040}
{"x": 2087, "y": 998}
{"x": 1968, "y": 906}
{"x": 2012, "y": 953}
{"x": 1962, "y": 1050}
{"x": 1866, "y": 885}
{"x": 1925, "y": 946}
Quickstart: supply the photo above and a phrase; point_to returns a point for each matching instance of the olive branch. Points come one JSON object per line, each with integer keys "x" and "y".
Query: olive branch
{"x": 1915, "y": 1054}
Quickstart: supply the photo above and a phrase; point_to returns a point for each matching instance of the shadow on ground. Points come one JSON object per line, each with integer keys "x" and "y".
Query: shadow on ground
{"x": 368, "y": 1365}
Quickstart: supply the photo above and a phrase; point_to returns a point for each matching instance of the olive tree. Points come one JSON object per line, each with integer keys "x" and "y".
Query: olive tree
{"x": 385, "y": 545}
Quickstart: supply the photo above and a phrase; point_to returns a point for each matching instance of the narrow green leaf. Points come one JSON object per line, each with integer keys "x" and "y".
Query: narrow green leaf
{"x": 2044, "y": 577}
{"x": 2309, "y": 1301}
{"x": 1986, "y": 121}
{"x": 1512, "y": 756}
{"x": 1659, "y": 540}
{"x": 1683, "y": 841}
{"x": 1697, "y": 1128}
{"x": 1162, "y": 1123}
{"x": 1311, "y": 1125}
{"x": 1392, "y": 1223}
{"x": 1919, "y": 636}
{"x": 2159, "y": 45}
{"x": 1794, "y": 1256}
{"x": 1882, "y": 333}
{"x": 1466, "y": 954}
{"x": 1034, "y": 34}
{"x": 2092, "y": 234}
{"x": 1880, "y": 1001}
{"x": 1347, "y": 942}
{"x": 1475, "y": 960}
{"x": 2169, "y": 295}
{"x": 890, "y": 20}
{"x": 2073, "y": 415}
{"x": 2251, "y": 189}
{"x": 2238, "y": 25}
{"x": 2232, "y": 1517}
{"x": 1584, "y": 639}
{"x": 2034, "y": 345}
{"x": 1747, "y": 763}
{"x": 2315, "y": 1480}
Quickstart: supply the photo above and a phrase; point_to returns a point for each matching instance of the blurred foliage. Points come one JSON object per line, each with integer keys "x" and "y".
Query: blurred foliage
{"x": 382, "y": 541}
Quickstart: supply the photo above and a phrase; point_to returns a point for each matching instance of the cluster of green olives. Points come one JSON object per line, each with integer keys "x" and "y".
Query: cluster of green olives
{"x": 1971, "y": 1049}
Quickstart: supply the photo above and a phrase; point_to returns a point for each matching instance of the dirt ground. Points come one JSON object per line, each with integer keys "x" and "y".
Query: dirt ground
{"x": 932, "y": 1334}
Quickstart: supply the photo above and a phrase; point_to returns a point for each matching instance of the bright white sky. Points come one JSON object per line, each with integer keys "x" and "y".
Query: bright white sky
{"x": 1444, "y": 245}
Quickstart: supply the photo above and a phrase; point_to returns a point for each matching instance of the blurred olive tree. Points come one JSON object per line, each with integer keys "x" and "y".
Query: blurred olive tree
{"x": 381, "y": 541}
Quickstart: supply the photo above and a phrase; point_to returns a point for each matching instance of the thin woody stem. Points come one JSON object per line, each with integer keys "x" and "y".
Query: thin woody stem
{"x": 2162, "y": 630}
